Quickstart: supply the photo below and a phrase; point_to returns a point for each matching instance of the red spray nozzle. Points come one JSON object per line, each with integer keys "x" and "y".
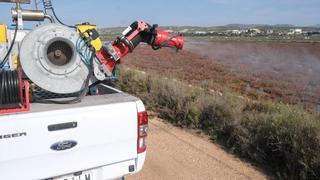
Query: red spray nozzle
{"x": 165, "y": 39}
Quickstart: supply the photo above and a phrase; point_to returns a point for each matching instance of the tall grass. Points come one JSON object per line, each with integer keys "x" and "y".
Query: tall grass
{"x": 283, "y": 138}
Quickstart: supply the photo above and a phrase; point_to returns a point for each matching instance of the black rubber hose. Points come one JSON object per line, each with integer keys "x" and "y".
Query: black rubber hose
{"x": 16, "y": 84}
{"x": 6, "y": 58}
{"x": 47, "y": 4}
{"x": 55, "y": 15}
{"x": 2, "y": 91}
{"x": 10, "y": 84}
{"x": 9, "y": 88}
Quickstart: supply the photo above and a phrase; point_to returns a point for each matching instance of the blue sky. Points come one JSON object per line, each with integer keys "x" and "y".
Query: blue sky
{"x": 111, "y": 13}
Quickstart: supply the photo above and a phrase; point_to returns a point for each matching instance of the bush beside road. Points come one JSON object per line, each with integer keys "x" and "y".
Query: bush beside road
{"x": 284, "y": 139}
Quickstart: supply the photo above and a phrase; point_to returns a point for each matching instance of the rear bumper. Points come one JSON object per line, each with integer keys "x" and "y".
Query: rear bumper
{"x": 140, "y": 161}
{"x": 121, "y": 169}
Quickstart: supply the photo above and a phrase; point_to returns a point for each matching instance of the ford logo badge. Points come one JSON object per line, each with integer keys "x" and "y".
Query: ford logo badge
{"x": 63, "y": 145}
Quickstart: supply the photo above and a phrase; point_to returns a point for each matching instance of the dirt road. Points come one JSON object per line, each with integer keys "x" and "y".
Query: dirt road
{"x": 174, "y": 153}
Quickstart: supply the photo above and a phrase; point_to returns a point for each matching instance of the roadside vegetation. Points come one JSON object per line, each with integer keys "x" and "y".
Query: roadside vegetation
{"x": 281, "y": 138}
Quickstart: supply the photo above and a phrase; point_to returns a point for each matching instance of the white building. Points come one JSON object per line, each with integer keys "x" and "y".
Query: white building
{"x": 295, "y": 32}
{"x": 270, "y": 31}
{"x": 255, "y": 30}
{"x": 235, "y": 31}
{"x": 185, "y": 30}
{"x": 200, "y": 32}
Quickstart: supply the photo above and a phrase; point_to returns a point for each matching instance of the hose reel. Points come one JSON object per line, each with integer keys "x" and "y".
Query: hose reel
{"x": 14, "y": 92}
{"x": 9, "y": 89}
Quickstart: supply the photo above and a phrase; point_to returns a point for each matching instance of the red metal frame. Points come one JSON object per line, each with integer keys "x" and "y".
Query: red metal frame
{"x": 141, "y": 27}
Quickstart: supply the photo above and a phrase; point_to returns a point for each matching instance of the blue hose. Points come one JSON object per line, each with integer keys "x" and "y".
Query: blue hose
{"x": 86, "y": 54}
{"x": 84, "y": 51}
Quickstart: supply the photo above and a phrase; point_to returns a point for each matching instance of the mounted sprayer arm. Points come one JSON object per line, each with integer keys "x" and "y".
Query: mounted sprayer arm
{"x": 113, "y": 53}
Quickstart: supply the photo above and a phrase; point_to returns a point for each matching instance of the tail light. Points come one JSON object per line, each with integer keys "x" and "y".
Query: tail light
{"x": 142, "y": 131}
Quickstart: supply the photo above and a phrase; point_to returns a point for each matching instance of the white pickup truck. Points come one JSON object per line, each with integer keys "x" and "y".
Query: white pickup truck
{"x": 103, "y": 137}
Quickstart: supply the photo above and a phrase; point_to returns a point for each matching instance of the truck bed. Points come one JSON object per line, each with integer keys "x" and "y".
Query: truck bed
{"x": 108, "y": 95}
{"x": 104, "y": 138}
{"x": 112, "y": 96}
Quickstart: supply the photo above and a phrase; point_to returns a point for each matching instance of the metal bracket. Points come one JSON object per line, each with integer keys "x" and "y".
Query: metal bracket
{"x": 112, "y": 52}
{"x": 19, "y": 18}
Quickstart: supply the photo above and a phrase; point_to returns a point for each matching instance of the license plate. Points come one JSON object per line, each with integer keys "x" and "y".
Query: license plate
{"x": 88, "y": 175}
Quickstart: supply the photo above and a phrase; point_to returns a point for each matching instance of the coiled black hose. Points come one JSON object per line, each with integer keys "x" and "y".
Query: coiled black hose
{"x": 9, "y": 88}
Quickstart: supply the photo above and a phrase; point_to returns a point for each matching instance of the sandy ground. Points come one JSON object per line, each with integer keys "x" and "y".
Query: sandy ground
{"x": 174, "y": 153}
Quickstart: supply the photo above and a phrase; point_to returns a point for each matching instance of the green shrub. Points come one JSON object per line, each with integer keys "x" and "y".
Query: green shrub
{"x": 284, "y": 138}
{"x": 287, "y": 140}
{"x": 261, "y": 107}
{"x": 193, "y": 118}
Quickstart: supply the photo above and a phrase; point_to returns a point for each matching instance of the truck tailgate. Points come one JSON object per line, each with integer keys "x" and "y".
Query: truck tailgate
{"x": 103, "y": 131}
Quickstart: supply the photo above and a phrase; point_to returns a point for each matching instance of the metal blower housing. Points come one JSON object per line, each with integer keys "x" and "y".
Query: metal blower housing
{"x": 49, "y": 58}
